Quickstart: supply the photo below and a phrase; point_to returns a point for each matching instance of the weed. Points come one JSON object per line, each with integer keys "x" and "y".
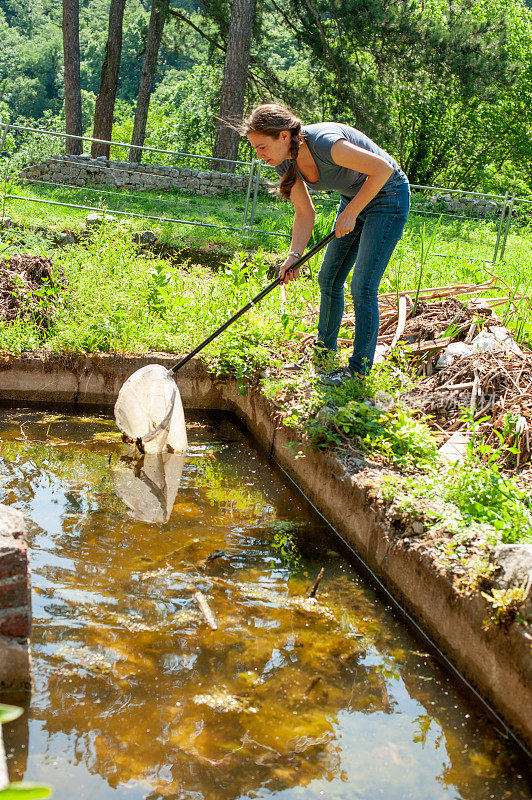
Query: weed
{"x": 479, "y": 571}
{"x": 506, "y": 604}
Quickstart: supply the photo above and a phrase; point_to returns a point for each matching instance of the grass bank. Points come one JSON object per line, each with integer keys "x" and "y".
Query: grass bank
{"x": 108, "y": 295}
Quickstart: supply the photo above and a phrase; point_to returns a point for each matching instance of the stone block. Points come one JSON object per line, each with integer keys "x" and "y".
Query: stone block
{"x": 95, "y": 219}
{"x": 514, "y": 562}
{"x": 145, "y": 237}
{"x": 15, "y": 590}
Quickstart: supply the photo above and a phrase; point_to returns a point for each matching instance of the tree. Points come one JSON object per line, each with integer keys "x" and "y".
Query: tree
{"x": 105, "y": 103}
{"x": 406, "y": 72}
{"x": 234, "y": 82}
{"x": 72, "y": 76}
{"x": 158, "y": 16}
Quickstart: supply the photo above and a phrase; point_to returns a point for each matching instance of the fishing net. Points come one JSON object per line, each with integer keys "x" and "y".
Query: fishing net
{"x": 149, "y": 411}
{"x": 148, "y": 485}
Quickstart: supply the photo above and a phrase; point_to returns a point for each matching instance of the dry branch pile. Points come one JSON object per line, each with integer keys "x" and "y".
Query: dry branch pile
{"x": 496, "y": 386}
{"x": 27, "y": 286}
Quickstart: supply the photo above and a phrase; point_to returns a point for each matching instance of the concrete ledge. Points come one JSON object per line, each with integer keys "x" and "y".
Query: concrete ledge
{"x": 498, "y": 662}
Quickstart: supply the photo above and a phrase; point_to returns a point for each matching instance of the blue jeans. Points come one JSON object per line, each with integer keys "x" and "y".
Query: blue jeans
{"x": 368, "y": 249}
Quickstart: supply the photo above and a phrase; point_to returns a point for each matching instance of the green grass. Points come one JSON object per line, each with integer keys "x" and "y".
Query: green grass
{"x": 117, "y": 299}
{"x": 460, "y": 251}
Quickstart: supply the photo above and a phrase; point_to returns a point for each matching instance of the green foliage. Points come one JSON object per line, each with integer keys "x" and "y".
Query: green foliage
{"x": 484, "y": 494}
{"x": 505, "y": 603}
{"x": 180, "y": 117}
{"x": 394, "y": 435}
{"x": 474, "y": 493}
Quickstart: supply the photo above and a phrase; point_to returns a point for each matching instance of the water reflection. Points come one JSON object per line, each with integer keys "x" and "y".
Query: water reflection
{"x": 148, "y": 484}
{"x": 136, "y": 697}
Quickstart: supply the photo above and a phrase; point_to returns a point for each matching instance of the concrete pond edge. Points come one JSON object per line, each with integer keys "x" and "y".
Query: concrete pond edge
{"x": 496, "y": 662}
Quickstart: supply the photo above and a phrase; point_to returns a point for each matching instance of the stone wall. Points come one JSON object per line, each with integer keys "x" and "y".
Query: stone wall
{"x": 84, "y": 171}
{"x": 15, "y": 601}
{"x": 463, "y": 205}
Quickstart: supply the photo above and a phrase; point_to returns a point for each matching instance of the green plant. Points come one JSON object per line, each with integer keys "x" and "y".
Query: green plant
{"x": 505, "y": 603}
{"x": 158, "y": 288}
{"x": 18, "y": 790}
{"x": 394, "y": 434}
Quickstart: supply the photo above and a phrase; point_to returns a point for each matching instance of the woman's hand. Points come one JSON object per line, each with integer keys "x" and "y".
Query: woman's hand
{"x": 345, "y": 222}
{"x": 286, "y": 272}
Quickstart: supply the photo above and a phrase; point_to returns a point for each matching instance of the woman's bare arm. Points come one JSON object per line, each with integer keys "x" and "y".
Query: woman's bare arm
{"x": 304, "y": 218}
{"x": 377, "y": 170}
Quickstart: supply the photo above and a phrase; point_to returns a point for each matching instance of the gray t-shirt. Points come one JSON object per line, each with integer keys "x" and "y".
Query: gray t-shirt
{"x": 320, "y": 138}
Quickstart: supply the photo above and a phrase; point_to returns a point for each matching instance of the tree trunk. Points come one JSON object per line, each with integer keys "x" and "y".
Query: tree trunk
{"x": 159, "y": 13}
{"x": 72, "y": 76}
{"x": 105, "y": 104}
{"x": 234, "y": 82}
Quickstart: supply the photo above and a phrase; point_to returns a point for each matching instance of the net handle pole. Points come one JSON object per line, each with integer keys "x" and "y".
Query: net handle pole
{"x": 308, "y": 255}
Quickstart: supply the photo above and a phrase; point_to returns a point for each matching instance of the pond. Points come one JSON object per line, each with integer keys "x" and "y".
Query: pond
{"x": 136, "y": 696}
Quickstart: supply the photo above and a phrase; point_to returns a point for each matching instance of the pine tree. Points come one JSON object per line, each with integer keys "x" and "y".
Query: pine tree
{"x": 234, "y": 82}
{"x": 158, "y": 17}
{"x": 105, "y": 102}
{"x": 72, "y": 76}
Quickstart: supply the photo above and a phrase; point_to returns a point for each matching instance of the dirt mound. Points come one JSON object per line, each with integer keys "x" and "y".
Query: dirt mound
{"x": 29, "y": 286}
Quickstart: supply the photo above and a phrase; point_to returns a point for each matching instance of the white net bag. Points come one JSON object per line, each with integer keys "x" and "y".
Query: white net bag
{"x": 150, "y": 413}
{"x": 148, "y": 485}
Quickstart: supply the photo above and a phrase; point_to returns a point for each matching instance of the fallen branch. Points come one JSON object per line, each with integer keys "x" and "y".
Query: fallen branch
{"x": 206, "y": 611}
{"x": 318, "y": 579}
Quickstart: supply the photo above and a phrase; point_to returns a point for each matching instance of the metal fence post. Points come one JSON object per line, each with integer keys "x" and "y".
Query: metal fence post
{"x": 255, "y": 193}
{"x": 507, "y": 228}
{"x": 248, "y": 195}
{"x": 3, "y": 127}
{"x": 499, "y": 229}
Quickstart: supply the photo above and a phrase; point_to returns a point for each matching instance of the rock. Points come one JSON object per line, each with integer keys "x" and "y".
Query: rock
{"x": 455, "y": 447}
{"x": 496, "y": 339}
{"x": 144, "y": 237}
{"x": 515, "y": 569}
{"x": 93, "y": 220}
{"x": 6, "y": 222}
{"x": 452, "y": 352}
{"x": 66, "y": 238}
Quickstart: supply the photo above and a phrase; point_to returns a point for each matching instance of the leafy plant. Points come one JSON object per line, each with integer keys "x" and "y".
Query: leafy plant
{"x": 505, "y": 603}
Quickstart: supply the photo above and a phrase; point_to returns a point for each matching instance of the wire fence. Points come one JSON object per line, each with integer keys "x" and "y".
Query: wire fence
{"x": 164, "y": 184}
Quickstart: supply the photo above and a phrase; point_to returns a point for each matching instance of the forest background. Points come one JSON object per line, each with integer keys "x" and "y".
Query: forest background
{"x": 444, "y": 86}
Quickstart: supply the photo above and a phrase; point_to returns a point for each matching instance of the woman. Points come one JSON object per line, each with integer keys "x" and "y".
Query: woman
{"x": 374, "y": 205}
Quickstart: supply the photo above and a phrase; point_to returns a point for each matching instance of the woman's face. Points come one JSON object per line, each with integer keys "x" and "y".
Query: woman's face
{"x": 271, "y": 149}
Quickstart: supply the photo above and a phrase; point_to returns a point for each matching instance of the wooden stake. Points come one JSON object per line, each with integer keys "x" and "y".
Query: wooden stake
{"x": 318, "y": 579}
{"x": 206, "y": 611}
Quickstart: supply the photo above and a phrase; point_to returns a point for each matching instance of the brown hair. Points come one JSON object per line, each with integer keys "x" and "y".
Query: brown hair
{"x": 270, "y": 119}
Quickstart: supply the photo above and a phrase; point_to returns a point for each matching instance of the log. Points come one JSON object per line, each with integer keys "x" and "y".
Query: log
{"x": 206, "y": 611}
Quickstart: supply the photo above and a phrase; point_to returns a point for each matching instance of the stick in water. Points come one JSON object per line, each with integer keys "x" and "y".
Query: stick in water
{"x": 206, "y": 611}
{"x": 318, "y": 579}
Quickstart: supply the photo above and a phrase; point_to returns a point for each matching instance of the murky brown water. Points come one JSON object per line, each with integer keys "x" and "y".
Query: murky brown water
{"x": 136, "y": 697}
